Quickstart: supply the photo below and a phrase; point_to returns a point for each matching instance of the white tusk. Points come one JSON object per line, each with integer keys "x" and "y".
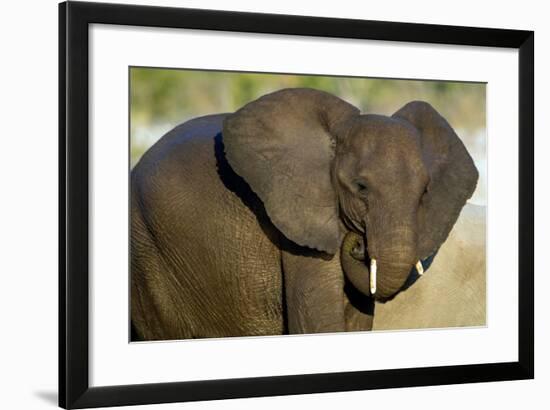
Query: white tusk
{"x": 419, "y": 268}
{"x": 373, "y": 276}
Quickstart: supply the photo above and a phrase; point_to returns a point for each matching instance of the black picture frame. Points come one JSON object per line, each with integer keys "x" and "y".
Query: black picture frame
{"x": 74, "y": 387}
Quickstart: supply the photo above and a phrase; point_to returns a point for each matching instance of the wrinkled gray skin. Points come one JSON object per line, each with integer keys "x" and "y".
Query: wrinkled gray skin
{"x": 239, "y": 220}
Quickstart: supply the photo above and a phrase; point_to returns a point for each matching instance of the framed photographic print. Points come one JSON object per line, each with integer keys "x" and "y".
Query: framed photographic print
{"x": 255, "y": 204}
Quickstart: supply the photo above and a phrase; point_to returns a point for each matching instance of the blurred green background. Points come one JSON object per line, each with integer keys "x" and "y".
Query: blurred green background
{"x": 160, "y": 99}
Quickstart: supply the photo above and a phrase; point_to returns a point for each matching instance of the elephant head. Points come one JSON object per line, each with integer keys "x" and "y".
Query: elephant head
{"x": 323, "y": 170}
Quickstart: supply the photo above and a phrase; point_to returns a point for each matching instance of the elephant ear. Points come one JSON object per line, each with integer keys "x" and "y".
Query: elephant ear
{"x": 282, "y": 144}
{"x": 453, "y": 175}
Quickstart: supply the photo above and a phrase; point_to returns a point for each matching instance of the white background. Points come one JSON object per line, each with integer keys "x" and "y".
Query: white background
{"x": 116, "y": 362}
{"x": 28, "y": 224}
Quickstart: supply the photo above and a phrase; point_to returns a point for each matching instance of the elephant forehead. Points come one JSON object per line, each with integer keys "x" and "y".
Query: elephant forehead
{"x": 384, "y": 135}
{"x": 382, "y": 145}
{"x": 389, "y": 154}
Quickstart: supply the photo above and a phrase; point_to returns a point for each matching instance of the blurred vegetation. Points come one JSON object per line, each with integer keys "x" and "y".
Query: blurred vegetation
{"x": 163, "y": 98}
{"x": 169, "y": 95}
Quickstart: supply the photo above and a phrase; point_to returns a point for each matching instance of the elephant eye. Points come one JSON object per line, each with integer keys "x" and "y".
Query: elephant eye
{"x": 424, "y": 193}
{"x": 425, "y": 190}
{"x": 361, "y": 187}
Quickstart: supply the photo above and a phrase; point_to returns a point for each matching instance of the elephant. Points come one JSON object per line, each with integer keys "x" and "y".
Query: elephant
{"x": 294, "y": 214}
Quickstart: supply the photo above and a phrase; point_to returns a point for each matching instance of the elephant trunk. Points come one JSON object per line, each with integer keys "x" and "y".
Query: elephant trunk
{"x": 352, "y": 258}
{"x": 391, "y": 267}
{"x": 396, "y": 256}
{"x": 392, "y": 278}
